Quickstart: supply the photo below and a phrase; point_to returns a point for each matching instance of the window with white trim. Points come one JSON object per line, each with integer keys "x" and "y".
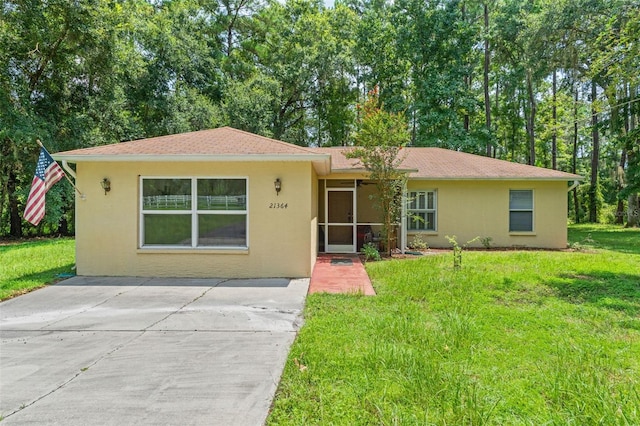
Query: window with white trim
{"x": 193, "y": 212}
{"x": 421, "y": 211}
{"x": 521, "y": 210}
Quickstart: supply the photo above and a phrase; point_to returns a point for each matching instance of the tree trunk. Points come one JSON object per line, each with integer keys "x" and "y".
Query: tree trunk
{"x": 15, "y": 220}
{"x": 623, "y": 159}
{"x": 466, "y": 121}
{"x": 633, "y": 211}
{"x": 531, "y": 120}
{"x": 554, "y": 136}
{"x": 595, "y": 158}
{"x": 574, "y": 161}
{"x": 487, "y": 100}
{"x": 633, "y": 201}
{"x": 620, "y": 207}
{"x": 467, "y": 78}
{"x": 497, "y": 108}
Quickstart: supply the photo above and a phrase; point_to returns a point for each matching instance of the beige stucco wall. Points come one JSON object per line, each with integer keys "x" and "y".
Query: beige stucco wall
{"x": 107, "y": 226}
{"x": 313, "y": 232}
{"x": 469, "y": 209}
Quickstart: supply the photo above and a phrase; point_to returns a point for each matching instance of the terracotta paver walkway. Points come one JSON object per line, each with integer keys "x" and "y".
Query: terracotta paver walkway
{"x": 340, "y": 273}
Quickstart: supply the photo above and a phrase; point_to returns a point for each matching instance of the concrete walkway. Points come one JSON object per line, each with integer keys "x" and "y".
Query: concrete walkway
{"x": 342, "y": 273}
{"x": 146, "y": 351}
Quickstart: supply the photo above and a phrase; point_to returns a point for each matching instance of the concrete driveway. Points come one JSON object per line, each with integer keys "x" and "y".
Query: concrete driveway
{"x": 147, "y": 350}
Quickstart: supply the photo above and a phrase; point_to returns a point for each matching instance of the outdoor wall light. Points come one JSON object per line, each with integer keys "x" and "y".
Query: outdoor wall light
{"x": 278, "y": 185}
{"x": 106, "y": 185}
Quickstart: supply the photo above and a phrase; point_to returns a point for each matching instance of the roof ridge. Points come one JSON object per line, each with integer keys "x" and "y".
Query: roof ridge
{"x": 288, "y": 144}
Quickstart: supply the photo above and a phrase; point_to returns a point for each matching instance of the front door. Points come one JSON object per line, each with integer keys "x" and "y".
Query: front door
{"x": 340, "y": 231}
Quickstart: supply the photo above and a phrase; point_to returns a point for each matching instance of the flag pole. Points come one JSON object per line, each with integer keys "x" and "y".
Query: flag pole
{"x": 65, "y": 174}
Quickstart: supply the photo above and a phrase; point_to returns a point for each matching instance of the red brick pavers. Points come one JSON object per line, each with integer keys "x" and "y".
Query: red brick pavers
{"x": 333, "y": 273}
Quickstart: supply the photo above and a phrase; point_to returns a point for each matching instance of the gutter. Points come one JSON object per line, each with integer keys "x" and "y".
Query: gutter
{"x": 76, "y": 158}
{"x": 363, "y": 170}
{"x": 494, "y": 178}
{"x": 322, "y": 162}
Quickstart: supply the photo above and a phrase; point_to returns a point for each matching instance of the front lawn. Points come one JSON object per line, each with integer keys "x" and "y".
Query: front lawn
{"x": 28, "y": 265}
{"x": 514, "y": 337}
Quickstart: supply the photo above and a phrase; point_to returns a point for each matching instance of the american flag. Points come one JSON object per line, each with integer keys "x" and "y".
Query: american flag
{"x": 48, "y": 172}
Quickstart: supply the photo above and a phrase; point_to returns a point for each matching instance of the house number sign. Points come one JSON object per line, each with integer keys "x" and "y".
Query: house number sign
{"x": 278, "y": 205}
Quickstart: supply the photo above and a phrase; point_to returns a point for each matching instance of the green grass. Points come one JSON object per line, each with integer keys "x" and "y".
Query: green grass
{"x": 608, "y": 237}
{"x": 515, "y": 337}
{"x": 25, "y": 266}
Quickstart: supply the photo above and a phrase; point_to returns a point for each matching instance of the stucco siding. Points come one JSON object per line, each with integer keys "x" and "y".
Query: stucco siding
{"x": 108, "y": 226}
{"x": 469, "y": 209}
{"x": 313, "y": 231}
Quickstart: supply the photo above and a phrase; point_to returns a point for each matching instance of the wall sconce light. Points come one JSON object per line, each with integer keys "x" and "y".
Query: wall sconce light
{"x": 106, "y": 185}
{"x": 278, "y": 185}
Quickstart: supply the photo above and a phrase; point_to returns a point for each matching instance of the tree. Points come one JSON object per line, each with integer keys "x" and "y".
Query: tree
{"x": 485, "y": 74}
{"x": 438, "y": 44}
{"x": 594, "y": 199}
{"x": 379, "y": 143}
{"x": 632, "y": 187}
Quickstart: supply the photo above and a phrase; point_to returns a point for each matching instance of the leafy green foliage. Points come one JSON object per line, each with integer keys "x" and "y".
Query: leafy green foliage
{"x": 379, "y": 142}
{"x": 457, "y": 250}
{"x": 91, "y": 72}
{"x": 417, "y": 243}
{"x": 370, "y": 252}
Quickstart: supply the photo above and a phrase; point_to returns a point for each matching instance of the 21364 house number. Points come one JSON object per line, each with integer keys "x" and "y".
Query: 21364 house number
{"x": 278, "y": 205}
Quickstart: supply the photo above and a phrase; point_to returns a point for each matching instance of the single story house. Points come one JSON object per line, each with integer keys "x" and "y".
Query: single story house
{"x": 228, "y": 203}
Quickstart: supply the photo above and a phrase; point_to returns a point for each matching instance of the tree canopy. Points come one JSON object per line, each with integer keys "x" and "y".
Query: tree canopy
{"x": 554, "y": 84}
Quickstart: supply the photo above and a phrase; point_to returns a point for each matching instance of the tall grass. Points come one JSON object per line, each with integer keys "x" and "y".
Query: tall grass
{"x": 33, "y": 264}
{"x": 511, "y": 338}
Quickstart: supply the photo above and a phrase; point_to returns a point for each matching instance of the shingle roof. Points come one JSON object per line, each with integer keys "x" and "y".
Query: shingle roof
{"x": 220, "y": 141}
{"x": 439, "y": 163}
{"x": 226, "y": 143}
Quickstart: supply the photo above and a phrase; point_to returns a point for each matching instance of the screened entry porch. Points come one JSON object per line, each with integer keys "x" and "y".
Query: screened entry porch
{"x": 347, "y": 217}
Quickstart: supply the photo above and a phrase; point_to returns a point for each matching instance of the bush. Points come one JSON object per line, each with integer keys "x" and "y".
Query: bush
{"x": 486, "y": 242}
{"x": 370, "y": 252}
{"x": 418, "y": 243}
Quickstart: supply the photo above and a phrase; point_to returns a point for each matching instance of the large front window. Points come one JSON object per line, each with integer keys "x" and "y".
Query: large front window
{"x": 521, "y": 210}
{"x": 194, "y": 212}
{"x": 421, "y": 211}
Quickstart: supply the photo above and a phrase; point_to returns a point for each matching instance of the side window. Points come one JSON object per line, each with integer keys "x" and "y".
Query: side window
{"x": 521, "y": 210}
{"x": 421, "y": 210}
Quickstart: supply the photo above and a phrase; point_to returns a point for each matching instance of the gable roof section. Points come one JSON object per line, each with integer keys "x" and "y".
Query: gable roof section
{"x": 221, "y": 144}
{"x": 228, "y": 144}
{"x": 445, "y": 164}
{"x": 438, "y": 163}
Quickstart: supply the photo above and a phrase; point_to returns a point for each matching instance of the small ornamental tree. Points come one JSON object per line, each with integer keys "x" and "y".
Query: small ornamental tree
{"x": 379, "y": 143}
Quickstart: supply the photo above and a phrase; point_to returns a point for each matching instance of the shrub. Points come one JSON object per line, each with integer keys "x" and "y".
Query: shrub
{"x": 486, "y": 242}
{"x": 418, "y": 243}
{"x": 370, "y": 252}
{"x": 457, "y": 250}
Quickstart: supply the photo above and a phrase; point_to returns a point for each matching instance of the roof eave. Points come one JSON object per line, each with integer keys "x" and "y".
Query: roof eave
{"x": 363, "y": 170}
{"x": 497, "y": 178}
{"x": 321, "y": 162}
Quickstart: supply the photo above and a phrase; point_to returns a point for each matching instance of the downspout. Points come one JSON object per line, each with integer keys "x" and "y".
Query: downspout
{"x": 574, "y": 186}
{"x": 72, "y": 173}
{"x": 83, "y": 197}
{"x": 69, "y": 170}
